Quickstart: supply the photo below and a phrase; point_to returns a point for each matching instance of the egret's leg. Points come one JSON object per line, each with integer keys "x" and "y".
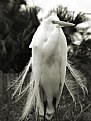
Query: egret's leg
{"x": 54, "y": 102}
{"x": 45, "y": 106}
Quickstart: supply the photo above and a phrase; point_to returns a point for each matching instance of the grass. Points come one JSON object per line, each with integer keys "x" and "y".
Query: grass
{"x": 66, "y": 111}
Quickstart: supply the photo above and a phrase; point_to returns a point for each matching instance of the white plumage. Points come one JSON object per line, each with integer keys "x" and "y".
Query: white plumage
{"x": 49, "y": 58}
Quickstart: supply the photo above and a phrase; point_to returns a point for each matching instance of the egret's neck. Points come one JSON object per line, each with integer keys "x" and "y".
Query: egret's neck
{"x": 48, "y": 26}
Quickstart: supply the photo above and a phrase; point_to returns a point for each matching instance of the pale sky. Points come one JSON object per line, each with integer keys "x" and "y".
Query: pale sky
{"x": 73, "y": 5}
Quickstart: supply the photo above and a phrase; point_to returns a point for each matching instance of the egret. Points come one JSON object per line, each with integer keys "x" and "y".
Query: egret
{"x": 49, "y": 59}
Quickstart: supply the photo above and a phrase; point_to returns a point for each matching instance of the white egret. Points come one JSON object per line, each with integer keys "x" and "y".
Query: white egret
{"x": 49, "y": 59}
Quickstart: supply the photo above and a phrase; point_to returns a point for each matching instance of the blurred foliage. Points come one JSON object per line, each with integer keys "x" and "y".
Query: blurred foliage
{"x": 17, "y": 28}
{"x": 65, "y": 15}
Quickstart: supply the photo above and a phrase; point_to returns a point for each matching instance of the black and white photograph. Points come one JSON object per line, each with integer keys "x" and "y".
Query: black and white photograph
{"x": 45, "y": 60}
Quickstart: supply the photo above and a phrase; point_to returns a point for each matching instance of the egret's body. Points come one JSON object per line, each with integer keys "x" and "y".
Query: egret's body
{"x": 49, "y": 57}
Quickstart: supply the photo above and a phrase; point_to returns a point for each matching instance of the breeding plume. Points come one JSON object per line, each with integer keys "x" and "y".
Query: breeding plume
{"x": 49, "y": 59}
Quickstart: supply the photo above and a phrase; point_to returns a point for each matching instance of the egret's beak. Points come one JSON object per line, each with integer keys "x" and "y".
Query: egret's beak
{"x": 63, "y": 24}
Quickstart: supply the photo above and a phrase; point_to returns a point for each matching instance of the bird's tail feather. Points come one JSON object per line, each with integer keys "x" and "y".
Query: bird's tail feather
{"x": 31, "y": 88}
{"x": 75, "y": 81}
{"x": 30, "y": 103}
{"x": 18, "y": 83}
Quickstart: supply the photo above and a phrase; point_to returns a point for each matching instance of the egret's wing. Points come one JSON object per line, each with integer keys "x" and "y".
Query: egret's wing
{"x": 62, "y": 45}
{"x": 51, "y": 43}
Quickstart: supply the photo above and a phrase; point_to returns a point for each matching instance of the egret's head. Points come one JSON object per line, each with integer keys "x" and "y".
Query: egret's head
{"x": 53, "y": 19}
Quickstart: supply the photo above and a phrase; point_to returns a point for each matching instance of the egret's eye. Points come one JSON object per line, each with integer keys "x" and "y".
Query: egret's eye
{"x": 53, "y": 22}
